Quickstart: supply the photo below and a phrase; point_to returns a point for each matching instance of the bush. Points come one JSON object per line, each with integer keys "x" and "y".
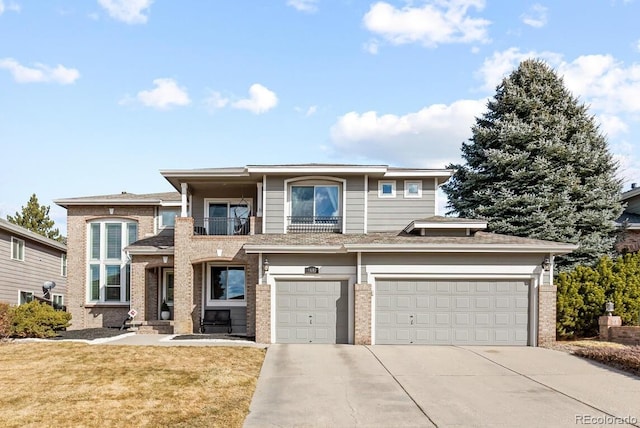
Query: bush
{"x": 582, "y": 294}
{"x": 6, "y": 320}
{"x": 35, "y": 319}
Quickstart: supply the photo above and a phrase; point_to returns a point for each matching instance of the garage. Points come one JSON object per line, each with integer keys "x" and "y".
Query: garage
{"x": 451, "y": 312}
{"x": 311, "y": 311}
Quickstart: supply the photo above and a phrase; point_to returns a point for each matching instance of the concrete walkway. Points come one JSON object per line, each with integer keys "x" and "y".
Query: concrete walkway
{"x": 444, "y": 386}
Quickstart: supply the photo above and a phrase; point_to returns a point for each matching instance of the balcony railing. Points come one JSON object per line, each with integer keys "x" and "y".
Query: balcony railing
{"x": 222, "y": 226}
{"x": 314, "y": 224}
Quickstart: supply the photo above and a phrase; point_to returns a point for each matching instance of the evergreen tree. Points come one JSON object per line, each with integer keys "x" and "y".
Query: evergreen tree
{"x": 35, "y": 217}
{"x": 537, "y": 166}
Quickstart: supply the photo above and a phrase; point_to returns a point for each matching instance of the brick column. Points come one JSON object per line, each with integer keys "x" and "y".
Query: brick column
{"x": 183, "y": 276}
{"x": 362, "y": 314}
{"x": 605, "y": 322}
{"x": 263, "y": 313}
{"x": 139, "y": 289}
{"x": 251, "y": 309}
{"x": 546, "y": 314}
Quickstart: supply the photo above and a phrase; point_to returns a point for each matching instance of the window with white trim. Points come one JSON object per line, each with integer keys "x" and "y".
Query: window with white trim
{"x": 226, "y": 284}
{"x": 25, "y": 297}
{"x": 386, "y": 189}
{"x": 413, "y": 189}
{"x": 17, "y": 249}
{"x": 312, "y": 202}
{"x": 167, "y": 217}
{"x": 109, "y": 271}
{"x": 57, "y": 300}
{"x": 63, "y": 264}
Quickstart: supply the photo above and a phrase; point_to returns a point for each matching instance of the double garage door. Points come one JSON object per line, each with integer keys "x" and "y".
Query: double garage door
{"x": 451, "y": 312}
{"x": 312, "y": 312}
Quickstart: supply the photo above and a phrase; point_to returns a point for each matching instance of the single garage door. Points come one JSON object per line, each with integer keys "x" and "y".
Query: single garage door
{"x": 452, "y": 312}
{"x": 311, "y": 312}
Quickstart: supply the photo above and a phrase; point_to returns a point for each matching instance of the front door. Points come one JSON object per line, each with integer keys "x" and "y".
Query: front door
{"x": 166, "y": 291}
{"x": 226, "y": 218}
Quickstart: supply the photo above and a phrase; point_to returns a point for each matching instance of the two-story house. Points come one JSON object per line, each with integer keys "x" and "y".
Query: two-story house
{"x": 308, "y": 253}
{"x": 28, "y": 261}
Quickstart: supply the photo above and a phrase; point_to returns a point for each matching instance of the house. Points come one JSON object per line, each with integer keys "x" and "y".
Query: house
{"x": 27, "y": 261}
{"x": 308, "y": 253}
{"x": 629, "y": 221}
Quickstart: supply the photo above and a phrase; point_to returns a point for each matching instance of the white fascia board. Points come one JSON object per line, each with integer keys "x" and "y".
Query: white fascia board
{"x": 452, "y": 225}
{"x": 205, "y": 173}
{"x": 171, "y": 204}
{"x": 288, "y": 249}
{"x": 478, "y": 248}
{"x": 317, "y": 169}
{"x": 107, "y": 202}
{"x": 150, "y": 251}
{"x": 445, "y": 173}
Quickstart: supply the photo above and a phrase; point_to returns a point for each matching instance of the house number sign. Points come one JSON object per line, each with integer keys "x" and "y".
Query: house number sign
{"x": 311, "y": 270}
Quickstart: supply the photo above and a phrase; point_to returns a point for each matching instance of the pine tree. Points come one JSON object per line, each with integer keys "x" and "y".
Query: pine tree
{"x": 35, "y": 217}
{"x": 537, "y": 166}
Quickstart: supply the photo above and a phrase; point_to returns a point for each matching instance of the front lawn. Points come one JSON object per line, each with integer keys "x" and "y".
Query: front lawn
{"x": 621, "y": 357}
{"x": 72, "y": 384}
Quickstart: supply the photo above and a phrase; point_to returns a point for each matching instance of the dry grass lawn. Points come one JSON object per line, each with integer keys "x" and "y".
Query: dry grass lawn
{"x": 71, "y": 384}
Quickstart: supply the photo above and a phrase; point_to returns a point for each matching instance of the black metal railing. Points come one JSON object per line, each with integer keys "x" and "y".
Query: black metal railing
{"x": 222, "y": 226}
{"x": 314, "y": 224}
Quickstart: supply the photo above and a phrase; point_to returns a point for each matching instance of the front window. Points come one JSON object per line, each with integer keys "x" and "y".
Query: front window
{"x": 168, "y": 216}
{"x": 109, "y": 270}
{"x": 63, "y": 265}
{"x": 413, "y": 189}
{"x": 387, "y": 189}
{"x": 17, "y": 249}
{"x": 25, "y": 297}
{"x": 226, "y": 218}
{"x": 226, "y": 284}
{"x": 58, "y": 301}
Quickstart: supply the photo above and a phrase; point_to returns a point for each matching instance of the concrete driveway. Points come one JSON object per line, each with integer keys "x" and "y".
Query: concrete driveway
{"x": 444, "y": 386}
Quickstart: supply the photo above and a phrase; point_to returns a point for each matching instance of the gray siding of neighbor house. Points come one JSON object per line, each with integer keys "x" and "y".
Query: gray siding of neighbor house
{"x": 41, "y": 263}
{"x": 633, "y": 205}
{"x": 276, "y": 199}
{"x": 394, "y": 214}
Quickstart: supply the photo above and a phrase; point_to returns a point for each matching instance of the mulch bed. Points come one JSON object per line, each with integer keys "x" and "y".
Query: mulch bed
{"x": 212, "y": 336}
{"x": 89, "y": 334}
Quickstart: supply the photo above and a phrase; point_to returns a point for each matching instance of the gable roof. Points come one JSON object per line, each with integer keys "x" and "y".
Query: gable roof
{"x": 27, "y": 234}
{"x": 123, "y": 198}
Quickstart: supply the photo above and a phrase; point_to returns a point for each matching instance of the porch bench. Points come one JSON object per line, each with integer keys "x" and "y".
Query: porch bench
{"x": 216, "y": 317}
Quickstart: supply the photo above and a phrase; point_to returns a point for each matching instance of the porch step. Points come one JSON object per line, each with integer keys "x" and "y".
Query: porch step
{"x": 155, "y": 327}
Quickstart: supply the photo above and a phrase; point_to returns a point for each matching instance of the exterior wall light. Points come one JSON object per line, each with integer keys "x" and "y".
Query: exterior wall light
{"x": 608, "y": 307}
{"x": 265, "y": 265}
{"x": 546, "y": 264}
{"x": 111, "y": 211}
{"x": 165, "y": 259}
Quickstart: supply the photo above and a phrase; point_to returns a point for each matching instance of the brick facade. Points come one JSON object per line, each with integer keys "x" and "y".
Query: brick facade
{"x": 362, "y": 296}
{"x": 546, "y": 314}
{"x": 263, "y": 313}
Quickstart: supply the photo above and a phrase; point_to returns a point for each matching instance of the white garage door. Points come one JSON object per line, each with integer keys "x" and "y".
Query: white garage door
{"x": 452, "y": 312}
{"x": 311, "y": 312}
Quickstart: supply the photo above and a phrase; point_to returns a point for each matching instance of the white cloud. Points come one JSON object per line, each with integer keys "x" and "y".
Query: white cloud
{"x": 216, "y": 101}
{"x": 40, "y": 73}
{"x": 536, "y": 16}
{"x": 165, "y": 95}
{"x": 129, "y": 11}
{"x": 371, "y": 46}
{"x": 260, "y": 100}
{"x": 612, "y": 125}
{"x": 430, "y": 137}
{"x": 310, "y": 111}
{"x": 309, "y": 6}
{"x": 434, "y": 23}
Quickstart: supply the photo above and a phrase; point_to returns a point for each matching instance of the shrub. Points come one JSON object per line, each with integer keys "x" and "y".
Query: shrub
{"x": 6, "y": 320}
{"x": 35, "y": 319}
{"x": 582, "y": 294}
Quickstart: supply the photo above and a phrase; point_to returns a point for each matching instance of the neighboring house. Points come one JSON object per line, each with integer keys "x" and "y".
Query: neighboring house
{"x": 308, "y": 253}
{"x": 629, "y": 221}
{"x": 27, "y": 261}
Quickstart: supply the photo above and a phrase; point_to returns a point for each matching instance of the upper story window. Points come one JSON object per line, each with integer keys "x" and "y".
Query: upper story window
{"x": 308, "y": 202}
{"x": 167, "y": 216}
{"x": 387, "y": 189}
{"x": 413, "y": 189}
{"x": 25, "y": 297}
{"x": 109, "y": 270}
{"x": 17, "y": 249}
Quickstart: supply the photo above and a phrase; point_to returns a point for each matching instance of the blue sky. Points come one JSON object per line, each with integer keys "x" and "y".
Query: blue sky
{"x": 97, "y": 96}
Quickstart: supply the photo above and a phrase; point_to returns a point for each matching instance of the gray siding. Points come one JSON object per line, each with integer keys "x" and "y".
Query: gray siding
{"x": 355, "y": 205}
{"x": 633, "y": 205}
{"x": 41, "y": 263}
{"x": 231, "y": 192}
{"x": 394, "y": 214}
{"x": 273, "y": 214}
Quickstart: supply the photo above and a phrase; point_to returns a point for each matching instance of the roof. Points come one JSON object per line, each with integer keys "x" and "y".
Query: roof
{"x": 27, "y": 234}
{"x": 123, "y": 198}
{"x": 162, "y": 243}
{"x": 255, "y": 172}
{"x": 630, "y": 220}
{"x": 440, "y": 222}
{"x": 400, "y": 242}
{"x": 635, "y": 191}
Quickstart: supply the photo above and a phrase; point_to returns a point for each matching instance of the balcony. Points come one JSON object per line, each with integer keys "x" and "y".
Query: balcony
{"x": 222, "y": 226}
{"x": 314, "y": 224}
